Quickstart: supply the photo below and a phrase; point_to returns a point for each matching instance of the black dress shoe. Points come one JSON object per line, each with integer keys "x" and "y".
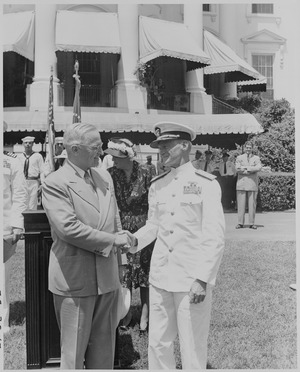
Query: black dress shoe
{"x": 239, "y": 226}
{"x": 254, "y": 227}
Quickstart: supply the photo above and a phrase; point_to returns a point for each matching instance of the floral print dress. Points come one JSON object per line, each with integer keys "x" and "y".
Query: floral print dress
{"x": 132, "y": 199}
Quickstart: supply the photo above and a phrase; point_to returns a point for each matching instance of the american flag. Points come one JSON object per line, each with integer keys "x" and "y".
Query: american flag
{"x": 76, "y": 103}
{"x": 51, "y": 131}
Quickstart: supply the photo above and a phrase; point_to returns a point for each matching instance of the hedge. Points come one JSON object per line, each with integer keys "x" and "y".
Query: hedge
{"x": 276, "y": 191}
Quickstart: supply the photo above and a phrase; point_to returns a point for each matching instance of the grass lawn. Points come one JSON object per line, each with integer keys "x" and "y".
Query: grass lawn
{"x": 253, "y": 323}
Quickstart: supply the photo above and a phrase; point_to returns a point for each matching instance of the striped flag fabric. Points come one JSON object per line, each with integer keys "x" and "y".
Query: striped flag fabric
{"x": 76, "y": 103}
{"x": 51, "y": 130}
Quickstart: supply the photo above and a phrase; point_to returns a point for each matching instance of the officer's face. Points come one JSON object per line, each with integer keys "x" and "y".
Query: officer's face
{"x": 171, "y": 152}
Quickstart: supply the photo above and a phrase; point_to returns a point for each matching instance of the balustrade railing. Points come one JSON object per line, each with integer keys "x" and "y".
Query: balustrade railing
{"x": 220, "y": 107}
{"x": 90, "y": 96}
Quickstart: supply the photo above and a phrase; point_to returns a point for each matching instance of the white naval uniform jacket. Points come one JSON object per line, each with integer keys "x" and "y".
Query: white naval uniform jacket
{"x": 186, "y": 218}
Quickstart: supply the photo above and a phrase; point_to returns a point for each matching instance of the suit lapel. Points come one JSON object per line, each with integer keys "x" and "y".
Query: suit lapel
{"x": 78, "y": 185}
{"x": 104, "y": 195}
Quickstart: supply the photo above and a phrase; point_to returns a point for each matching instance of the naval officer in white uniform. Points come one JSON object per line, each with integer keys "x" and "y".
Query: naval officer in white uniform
{"x": 186, "y": 219}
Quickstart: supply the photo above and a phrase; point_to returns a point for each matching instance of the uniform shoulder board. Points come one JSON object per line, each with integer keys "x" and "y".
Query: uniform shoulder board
{"x": 11, "y": 154}
{"x": 160, "y": 176}
{"x": 209, "y": 176}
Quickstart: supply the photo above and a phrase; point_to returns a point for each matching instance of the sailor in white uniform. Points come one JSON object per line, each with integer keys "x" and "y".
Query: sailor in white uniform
{"x": 186, "y": 219}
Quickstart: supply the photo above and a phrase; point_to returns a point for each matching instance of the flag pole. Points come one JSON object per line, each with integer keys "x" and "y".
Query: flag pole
{"x": 76, "y": 103}
{"x": 51, "y": 131}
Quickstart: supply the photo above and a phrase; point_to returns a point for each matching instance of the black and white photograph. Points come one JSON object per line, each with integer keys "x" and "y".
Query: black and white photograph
{"x": 149, "y": 185}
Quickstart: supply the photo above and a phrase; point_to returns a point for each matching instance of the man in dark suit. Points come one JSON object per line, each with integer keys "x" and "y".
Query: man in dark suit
{"x": 83, "y": 266}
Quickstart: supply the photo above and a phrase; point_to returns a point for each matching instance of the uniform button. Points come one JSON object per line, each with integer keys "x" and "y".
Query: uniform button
{"x": 171, "y": 231}
{"x": 170, "y": 249}
{"x": 173, "y": 195}
{"x": 172, "y": 213}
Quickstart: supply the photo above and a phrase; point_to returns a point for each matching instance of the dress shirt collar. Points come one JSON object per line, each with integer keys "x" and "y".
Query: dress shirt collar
{"x": 182, "y": 168}
{"x": 78, "y": 170}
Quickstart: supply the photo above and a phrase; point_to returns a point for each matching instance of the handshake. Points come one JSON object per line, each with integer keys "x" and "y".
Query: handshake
{"x": 125, "y": 240}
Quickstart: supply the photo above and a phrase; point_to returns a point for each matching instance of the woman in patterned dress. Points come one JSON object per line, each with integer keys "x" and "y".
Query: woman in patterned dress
{"x": 131, "y": 183}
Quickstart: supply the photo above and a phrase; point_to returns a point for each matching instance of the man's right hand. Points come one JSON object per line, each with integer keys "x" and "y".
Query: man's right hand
{"x": 124, "y": 241}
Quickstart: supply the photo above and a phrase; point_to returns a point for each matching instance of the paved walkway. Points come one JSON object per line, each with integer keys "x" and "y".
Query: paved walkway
{"x": 271, "y": 226}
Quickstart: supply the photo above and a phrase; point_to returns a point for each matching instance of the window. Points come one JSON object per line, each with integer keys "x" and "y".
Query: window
{"x": 262, "y": 8}
{"x": 206, "y": 8}
{"x": 264, "y": 65}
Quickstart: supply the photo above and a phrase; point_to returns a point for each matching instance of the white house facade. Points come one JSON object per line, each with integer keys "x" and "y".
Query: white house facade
{"x": 143, "y": 63}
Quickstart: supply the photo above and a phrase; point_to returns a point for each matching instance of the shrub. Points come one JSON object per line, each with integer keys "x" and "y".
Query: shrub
{"x": 276, "y": 191}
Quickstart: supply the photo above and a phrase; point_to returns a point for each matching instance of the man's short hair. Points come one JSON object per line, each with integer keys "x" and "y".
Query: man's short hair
{"x": 248, "y": 143}
{"x": 77, "y": 133}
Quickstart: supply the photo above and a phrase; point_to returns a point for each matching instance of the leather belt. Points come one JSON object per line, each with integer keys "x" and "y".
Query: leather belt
{"x": 32, "y": 178}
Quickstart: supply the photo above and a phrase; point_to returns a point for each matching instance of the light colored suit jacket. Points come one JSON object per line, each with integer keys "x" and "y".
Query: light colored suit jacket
{"x": 247, "y": 181}
{"x": 83, "y": 261}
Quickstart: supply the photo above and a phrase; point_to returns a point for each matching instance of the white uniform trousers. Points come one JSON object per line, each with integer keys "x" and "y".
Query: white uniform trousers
{"x": 241, "y": 196}
{"x": 172, "y": 314}
{"x": 32, "y": 187}
{"x": 6, "y": 273}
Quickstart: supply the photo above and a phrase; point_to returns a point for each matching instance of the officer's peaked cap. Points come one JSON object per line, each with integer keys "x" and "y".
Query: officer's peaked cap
{"x": 167, "y": 130}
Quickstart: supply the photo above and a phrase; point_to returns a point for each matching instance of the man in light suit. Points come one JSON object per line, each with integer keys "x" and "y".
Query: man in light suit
{"x": 83, "y": 266}
{"x": 247, "y": 166}
{"x": 186, "y": 219}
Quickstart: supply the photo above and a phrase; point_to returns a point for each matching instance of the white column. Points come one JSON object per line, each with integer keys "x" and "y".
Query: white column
{"x": 200, "y": 102}
{"x": 45, "y": 57}
{"x": 227, "y": 17}
{"x": 129, "y": 93}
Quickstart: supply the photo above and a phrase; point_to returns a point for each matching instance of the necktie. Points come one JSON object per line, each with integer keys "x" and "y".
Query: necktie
{"x": 225, "y": 169}
{"x": 89, "y": 180}
{"x": 205, "y": 168}
{"x": 26, "y": 165}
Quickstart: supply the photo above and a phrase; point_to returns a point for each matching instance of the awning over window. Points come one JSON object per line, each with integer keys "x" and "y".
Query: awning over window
{"x": 225, "y": 60}
{"x": 18, "y": 33}
{"x": 87, "y": 32}
{"x": 160, "y": 38}
{"x": 127, "y": 122}
{"x": 259, "y": 85}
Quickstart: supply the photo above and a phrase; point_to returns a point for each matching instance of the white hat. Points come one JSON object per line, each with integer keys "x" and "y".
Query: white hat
{"x": 124, "y": 302}
{"x": 59, "y": 139}
{"x": 28, "y": 139}
{"x": 166, "y": 130}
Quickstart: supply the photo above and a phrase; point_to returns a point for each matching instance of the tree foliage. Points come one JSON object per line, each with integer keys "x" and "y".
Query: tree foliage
{"x": 276, "y": 145}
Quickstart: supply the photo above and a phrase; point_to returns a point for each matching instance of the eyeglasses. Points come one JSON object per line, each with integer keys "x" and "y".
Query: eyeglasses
{"x": 97, "y": 148}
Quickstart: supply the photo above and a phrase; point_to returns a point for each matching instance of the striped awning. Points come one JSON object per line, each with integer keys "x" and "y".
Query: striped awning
{"x": 225, "y": 60}
{"x": 18, "y": 35}
{"x": 259, "y": 85}
{"x": 160, "y": 38}
{"x": 128, "y": 122}
{"x": 87, "y": 32}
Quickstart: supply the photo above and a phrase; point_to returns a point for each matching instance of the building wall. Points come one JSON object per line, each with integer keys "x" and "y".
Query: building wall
{"x": 282, "y": 42}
